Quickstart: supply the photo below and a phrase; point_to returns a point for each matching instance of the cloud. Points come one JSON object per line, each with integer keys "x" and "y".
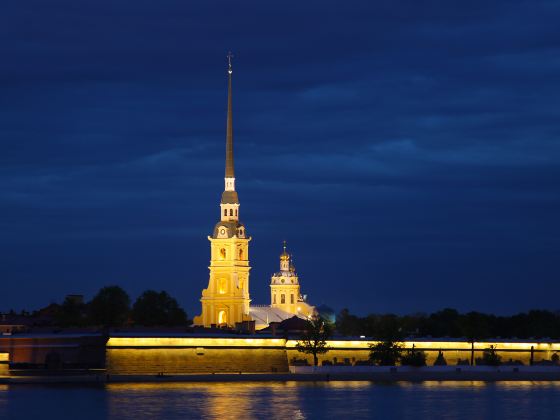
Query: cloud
{"x": 418, "y": 140}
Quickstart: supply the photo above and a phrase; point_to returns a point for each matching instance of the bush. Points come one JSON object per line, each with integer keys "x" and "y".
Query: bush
{"x": 489, "y": 357}
{"x": 385, "y": 353}
{"x": 413, "y": 358}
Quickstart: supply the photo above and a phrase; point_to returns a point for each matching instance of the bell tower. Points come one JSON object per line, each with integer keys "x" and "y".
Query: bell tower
{"x": 284, "y": 286}
{"x": 226, "y": 299}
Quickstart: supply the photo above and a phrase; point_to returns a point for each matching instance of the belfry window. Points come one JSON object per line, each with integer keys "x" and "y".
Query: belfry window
{"x": 225, "y": 212}
{"x": 292, "y": 298}
{"x": 282, "y": 298}
{"x": 236, "y": 212}
{"x": 274, "y": 299}
{"x": 223, "y": 253}
{"x": 231, "y": 212}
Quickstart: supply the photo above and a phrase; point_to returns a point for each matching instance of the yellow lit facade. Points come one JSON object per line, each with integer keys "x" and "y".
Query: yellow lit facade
{"x": 285, "y": 289}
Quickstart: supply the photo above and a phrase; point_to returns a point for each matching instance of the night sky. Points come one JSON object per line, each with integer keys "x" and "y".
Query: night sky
{"x": 407, "y": 151}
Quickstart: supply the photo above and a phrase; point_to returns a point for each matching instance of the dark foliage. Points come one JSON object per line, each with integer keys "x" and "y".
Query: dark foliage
{"x": 157, "y": 309}
{"x": 413, "y": 357}
{"x": 489, "y": 357}
{"x": 71, "y": 314}
{"x": 110, "y": 307}
{"x": 440, "y": 360}
{"x": 450, "y": 323}
{"x": 385, "y": 353}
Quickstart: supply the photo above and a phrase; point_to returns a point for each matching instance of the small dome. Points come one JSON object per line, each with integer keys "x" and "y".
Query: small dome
{"x": 284, "y": 256}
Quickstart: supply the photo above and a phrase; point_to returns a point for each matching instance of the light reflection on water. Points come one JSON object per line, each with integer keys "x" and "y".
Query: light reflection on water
{"x": 3, "y": 400}
{"x": 285, "y": 400}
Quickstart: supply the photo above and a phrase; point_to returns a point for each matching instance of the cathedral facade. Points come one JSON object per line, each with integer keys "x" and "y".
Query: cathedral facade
{"x": 226, "y": 301}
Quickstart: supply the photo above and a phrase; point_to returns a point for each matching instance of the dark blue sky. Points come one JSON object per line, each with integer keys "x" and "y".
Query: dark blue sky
{"x": 407, "y": 151}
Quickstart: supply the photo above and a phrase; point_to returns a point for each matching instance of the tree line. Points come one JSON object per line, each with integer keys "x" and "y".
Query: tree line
{"x": 450, "y": 323}
{"x": 111, "y": 307}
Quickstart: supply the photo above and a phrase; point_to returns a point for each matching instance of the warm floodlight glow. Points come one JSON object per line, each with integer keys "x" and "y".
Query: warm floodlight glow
{"x": 222, "y": 319}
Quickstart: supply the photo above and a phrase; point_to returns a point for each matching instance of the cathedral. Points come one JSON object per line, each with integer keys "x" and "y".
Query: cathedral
{"x": 226, "y": 301}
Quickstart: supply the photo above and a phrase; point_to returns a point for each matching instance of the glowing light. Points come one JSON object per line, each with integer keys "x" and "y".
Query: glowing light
{"x": 194, "y": 342}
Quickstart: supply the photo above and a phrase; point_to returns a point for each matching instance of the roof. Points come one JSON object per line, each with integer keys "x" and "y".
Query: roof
{"x": 293, "y": 324}
{"x": 230, "y": 197}
{"x": 231, "y": 227}
{"x": 266, "y": 314}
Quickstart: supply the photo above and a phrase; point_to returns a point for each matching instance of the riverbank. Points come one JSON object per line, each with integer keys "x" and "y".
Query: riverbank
{"x": 384, "y": 374}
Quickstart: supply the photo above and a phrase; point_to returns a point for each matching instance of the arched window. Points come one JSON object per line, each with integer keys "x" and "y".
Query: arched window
{"x": 236, "y": 212}
{"x": 222, "y": 286}
{"x": 223, "y": 253}
{"x": 274, "y": 299}
{"x": 225, "y": 212}
{"x": 282, "y": 298}
{"x": 222, "y": 318}
{"x": 292, "y": 298}
{"x": 241, "y": 254}
{"x": 231, "y": 212}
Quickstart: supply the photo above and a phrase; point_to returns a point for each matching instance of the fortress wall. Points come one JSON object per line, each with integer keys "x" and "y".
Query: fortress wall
{"x": 176, "y": 355}
{"x": 4, "y": 364}
{"x": 451, "y": 356}
{"x": 142, "y": 361}
{"x": 179, "y": 355}
{"x": 352, "y": 351}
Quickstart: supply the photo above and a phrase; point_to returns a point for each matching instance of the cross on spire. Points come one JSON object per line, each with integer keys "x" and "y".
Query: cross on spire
{"x": 229, "y": 57}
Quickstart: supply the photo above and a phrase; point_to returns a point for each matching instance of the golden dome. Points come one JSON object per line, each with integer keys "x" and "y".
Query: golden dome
{"x": 284, "y": 256}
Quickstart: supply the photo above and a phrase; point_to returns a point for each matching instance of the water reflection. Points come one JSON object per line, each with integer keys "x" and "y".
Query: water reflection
{"x": 363, "y": 399}
{"x": 3, "y": 400}
{"x": 284, "y": 400}
{"x": 206, "y": 400}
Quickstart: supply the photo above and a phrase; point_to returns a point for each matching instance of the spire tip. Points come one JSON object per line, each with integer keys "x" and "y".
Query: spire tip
{"x": 229, "y": 57}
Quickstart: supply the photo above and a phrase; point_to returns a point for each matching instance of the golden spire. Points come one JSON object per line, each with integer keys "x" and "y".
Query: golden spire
{"x": 229, "y": 135}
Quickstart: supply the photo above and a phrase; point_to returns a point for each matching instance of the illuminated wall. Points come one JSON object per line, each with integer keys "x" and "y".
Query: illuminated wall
{"x": 352, "y": 351}
{"x": 195, "y": 355}
{"x": 152, "y": 355}
{"x": 4, "y": 366}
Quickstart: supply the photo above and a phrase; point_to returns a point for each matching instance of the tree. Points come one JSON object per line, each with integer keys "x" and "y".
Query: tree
{"x": 413, "y": 357}
{"x": 474, "y": 326}
{"x": 314, "y": 339}
{"x": 72, "y": 313}
{"x": 489, "y": 357}
{"x": 110, "y": 307}
{"x": 153, "y": 308}
{"x": 385, "y": 353}
{"x": 440, "y": 360}
{"x": 348, "y": 324}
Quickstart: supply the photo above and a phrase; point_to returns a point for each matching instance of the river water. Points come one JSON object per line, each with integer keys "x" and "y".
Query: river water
{"x": 284, "y": 400}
